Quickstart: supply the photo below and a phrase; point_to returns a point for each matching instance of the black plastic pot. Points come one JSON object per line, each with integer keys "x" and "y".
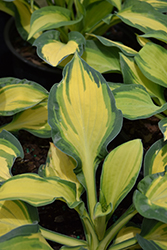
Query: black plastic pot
{"x": 25, "y": 69}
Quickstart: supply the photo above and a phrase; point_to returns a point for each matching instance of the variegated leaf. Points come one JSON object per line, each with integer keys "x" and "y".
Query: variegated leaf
{"x": 7, "y": 7}
{"x": 135, "y": 102}
{"x": 53, "y": 51}
{"x": 142, "y": 40}
{"x": 33, "y": 120}
{"x": 151, "y": 197}
{"x": 144, "y": 17}
{"x": 116, "y": 3}
{"x": 109, "y": 43}
{"x": 160, "y": 5}
{"x": 83, "y": 118}
{"x": 14, "y": 214}
{"x": 120, "y": 171}
{"x": 17, "y": 95}
{"x": 50, "y": 17}
{"x": 132, "y": 74}
{"x": 101, "y": 58}
{"x": 92, "y": 19}
{"x": 156, "y": 158}
{"x": 38, "y": 191}
{"x": 153, "y": 235}
{"x": 163, "y": 127}
{"x": 10, "y": 149}
{"x": 151, "y": 57}
{"x": 61, "y": 165}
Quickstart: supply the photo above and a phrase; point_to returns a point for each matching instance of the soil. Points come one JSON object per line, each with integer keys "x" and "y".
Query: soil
{"x": 57, "y": 216}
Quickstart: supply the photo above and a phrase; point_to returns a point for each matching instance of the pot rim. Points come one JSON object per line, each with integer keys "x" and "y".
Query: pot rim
{"x": 7, "y": 31}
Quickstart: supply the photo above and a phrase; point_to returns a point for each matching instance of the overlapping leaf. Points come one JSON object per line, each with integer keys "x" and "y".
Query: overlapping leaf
{"x": 163, "y": 127}
{"x": 53, "y": 51}
{"x": 17, "y": 95}
{"x": 151, "y": 197}
{"x": 151, "y": 57}
{"x": 144, "y": 17}
{"x": 7, "y": 7}
{"x": 160, "y": 5}
{"x": 153, "y": 235}
{"x": 109, "y": 43}
{"x": 133, "y": 75}
{"x": 33, "y": 120}
{"x": 119, "y": 173}
{"x": 38, "y": 191}
{"x": 10, "y": 149}
{"x": 135, "y": 102}
{"x": 156, "y": 158}
{"x": 61, "y": 165}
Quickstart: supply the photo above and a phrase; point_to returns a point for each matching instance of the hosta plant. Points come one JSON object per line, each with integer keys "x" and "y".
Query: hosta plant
{"x": 83, "y": 119}
{"x": 81, "y": 25}
{"x": 26, "y": 102}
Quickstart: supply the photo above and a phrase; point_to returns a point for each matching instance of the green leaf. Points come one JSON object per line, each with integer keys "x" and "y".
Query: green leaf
{"x": 151, "y": 57}
{"x": 10, "y": 149}
{"x": 144, "y": 17}
{"x": 101, "y": 58}
{"x": 135, "y": 102}
{"x": 33, "y": 120}
{"x": 50, "y": 17}
{"x": 109, "y": 43}
{"x": 156, "y": 158}
{"x": 151, "y": 197}
{"x": 95, "y": 12}
{"x": 38, "y": 191}
{"x": 23, "y": 14}
{"x": 133, "y": 75}
{"x": 116, "y": 3}
{"x": 83, "y": 118}
{"x": 7, "y": 7}
{"x": 17, "y": 95}
{"x": 160, "y": 5}
{"x": 120, "y": 171}
{"x": 153, "y": 235}
{"x": 53, "y": 51}
{"x": 163, "y": 127}
{"x": 61, "y": 165}
{"x": 14, "y": 214}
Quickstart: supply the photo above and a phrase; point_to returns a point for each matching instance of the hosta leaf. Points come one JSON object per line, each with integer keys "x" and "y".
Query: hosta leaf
{"x": 94, "y": 16}
{"x": 120, "y": 171}
{"x": 156, "y": 158}
{"x": 38, "y": 191}
{"x": 135, "y": 102}
{"x": 83, "y": 118}
{"x": 50, "y": 17}
{"x": 109, "y": 43}
{"x": 142, "y": 40}
{"x": 151, "y": 57}
{"x": 160, "y": 5}
{"x": 10, "y": 149}
{"x": 163, "y": 127}
{"x": 22, "y": 18}
{"x": 153, "y": 235}
{"x": 61, "y": 165}
{"x": 151, "y": 197}
{"x": 125, "y": 234}
{"x": 144, "y": 17}
{"x": 17, "y": 95}
{"x": 53, "y": 51}
{"x": 132, "y": 74}
{"x": 7, "y": 7}
{"x": 101, "y": 58}
{"x": 15, "y": 214}
{"x": 33, "y": 120}
{"x": 116, "y": 3}
{"x": 25, "y": 237}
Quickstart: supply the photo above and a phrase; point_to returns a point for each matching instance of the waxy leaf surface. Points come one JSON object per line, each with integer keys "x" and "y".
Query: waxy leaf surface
{"x": 156, "y": 158}
{"x": 151, "y": 57}
{"x": 17, "y": 95}
{"x": 10, "y": 149}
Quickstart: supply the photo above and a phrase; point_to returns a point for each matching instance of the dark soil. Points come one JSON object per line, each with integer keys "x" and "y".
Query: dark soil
{"x": 57, "y": 216}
